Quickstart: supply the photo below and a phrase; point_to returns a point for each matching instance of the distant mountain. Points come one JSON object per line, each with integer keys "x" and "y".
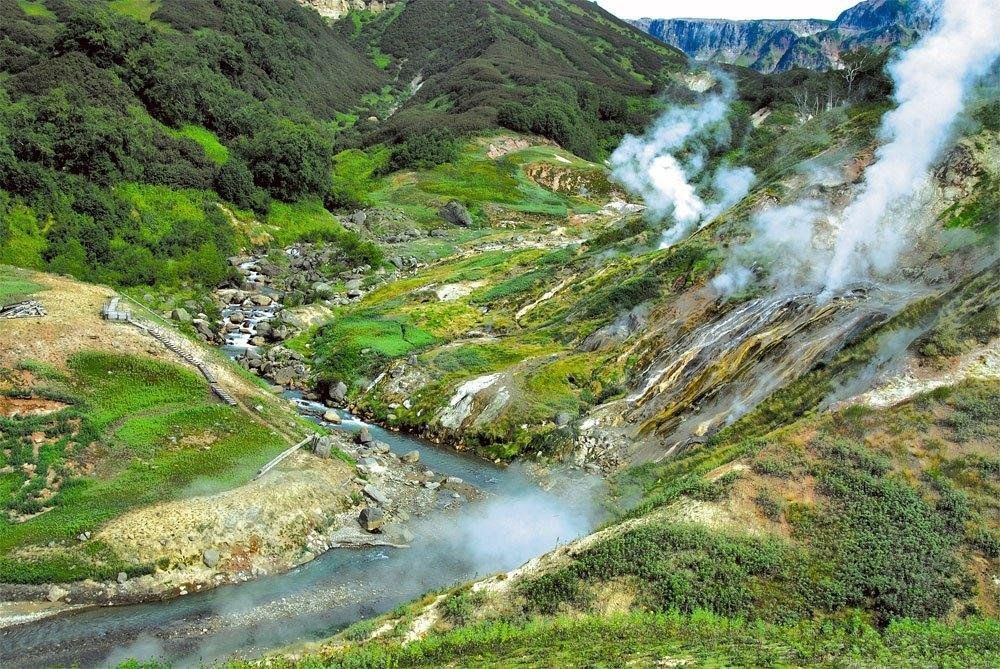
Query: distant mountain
{"x": 779, "y": 45}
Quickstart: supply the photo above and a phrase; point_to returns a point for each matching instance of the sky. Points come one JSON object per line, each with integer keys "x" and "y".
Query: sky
{"x": 727, "y": 9}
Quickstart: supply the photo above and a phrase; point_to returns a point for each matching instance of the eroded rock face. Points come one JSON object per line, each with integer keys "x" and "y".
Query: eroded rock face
{"x": 334, "y": 9}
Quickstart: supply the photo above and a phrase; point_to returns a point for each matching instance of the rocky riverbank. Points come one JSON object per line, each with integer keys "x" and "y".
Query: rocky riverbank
{"x": 311, "y": 503}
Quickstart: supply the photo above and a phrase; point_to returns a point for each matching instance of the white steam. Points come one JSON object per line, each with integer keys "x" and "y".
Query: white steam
{"x": 810, "y": 247}
{"x": 932, "y": 82}
{"x": 664, "y": 165}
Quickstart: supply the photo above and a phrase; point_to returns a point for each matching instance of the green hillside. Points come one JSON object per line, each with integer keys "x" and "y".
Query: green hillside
{"x": 103, "y": 103}
{"x": 566, "y": 69}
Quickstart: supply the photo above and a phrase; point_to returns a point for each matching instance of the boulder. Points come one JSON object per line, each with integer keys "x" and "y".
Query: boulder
{"x": 181, "y": 315}
{"x": 332, "y": 416}
{"x": 324, "y": 446}
{"x": 56, "y": 593}
{"x": 376, "y": 495}
{"x": 359, "y": 218}
{"x": 210, "y": 557}
{"x": 337, "y": 392}
{"x": 372, "y": 518}
{"x": 122, "y": 577}
{"x": 455, "y": 213}
{"x": 365, "y": 437}
{"x": 411, "y": 458}
{"x": 284, "y": 376}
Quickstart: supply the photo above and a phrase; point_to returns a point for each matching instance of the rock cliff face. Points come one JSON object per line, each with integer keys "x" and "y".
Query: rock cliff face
{"x": 334, "y": 9}
{"x": 778, "y": 45}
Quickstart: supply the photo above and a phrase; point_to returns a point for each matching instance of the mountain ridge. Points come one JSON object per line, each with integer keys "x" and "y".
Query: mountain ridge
{"x": 777, "y": 45}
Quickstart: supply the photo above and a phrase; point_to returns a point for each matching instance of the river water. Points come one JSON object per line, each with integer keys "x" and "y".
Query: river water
{"x": 514, "y": 522}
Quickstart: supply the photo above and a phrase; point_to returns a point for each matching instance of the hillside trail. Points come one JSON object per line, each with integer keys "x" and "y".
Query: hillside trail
{"x": 73, "y": 324}
{"x": 219, "y": 375}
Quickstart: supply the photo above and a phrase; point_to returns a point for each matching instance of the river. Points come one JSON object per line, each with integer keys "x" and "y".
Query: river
{"x": 514, "y": 522}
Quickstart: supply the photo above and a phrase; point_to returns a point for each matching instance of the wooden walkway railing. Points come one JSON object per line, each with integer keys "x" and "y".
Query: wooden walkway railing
{"x": 274, "y": 463}
{"x": 114, "y": 312}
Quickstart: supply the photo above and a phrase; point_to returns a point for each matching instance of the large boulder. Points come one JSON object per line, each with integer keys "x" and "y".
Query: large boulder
{"x": 372, "y": 518}
{"x": 332, "y": 417}
{"x": 210, "y": 557}
{"x": 455, "y": 213}
{"x": 411, "y": 458}
{"x": 337, "y": 392}
{"x": 365, "y": 437}
{"x": 181, "y": 315}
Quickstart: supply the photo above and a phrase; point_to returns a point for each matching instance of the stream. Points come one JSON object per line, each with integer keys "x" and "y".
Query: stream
{"x": 515, "y": 522}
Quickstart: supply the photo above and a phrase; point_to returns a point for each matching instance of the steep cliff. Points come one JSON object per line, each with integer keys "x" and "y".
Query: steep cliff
{"x": 779, "y": 45}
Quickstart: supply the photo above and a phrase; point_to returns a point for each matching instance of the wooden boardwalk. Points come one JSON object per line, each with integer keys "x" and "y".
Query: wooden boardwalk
{"x": 113, "y": 311}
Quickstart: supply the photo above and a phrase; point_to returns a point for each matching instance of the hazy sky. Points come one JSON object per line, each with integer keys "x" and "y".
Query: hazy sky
{"x": 728, "y": 9}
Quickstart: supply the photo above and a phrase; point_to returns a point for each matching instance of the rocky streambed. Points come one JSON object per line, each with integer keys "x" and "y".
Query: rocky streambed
{"x": 429, "y": 517}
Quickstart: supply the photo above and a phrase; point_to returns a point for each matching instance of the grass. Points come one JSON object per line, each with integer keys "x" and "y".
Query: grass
{"x": 473, "y": 179}
{"x": 142, "y": 425}
{"x": 14, "y": 287}
{"x": 354, "y": 346}
{"x": 214, "y": 149}
{"x": 290, "y": 222}
{"x": 141, "y": 10}
{"x": 673, "y": 639}
{"x": 36, "y": 9}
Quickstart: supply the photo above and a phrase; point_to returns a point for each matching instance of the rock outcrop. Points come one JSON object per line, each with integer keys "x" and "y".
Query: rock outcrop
{"x": 334, "y": 9}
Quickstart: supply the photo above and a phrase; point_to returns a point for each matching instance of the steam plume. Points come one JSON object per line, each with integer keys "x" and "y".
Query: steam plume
{"x": 809, "y": 246}
{"x": 663, "y": 165}
{"x": 932, "y": 82}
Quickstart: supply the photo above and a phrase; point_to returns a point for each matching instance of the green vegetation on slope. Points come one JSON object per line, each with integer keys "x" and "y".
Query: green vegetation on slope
{"x": 14, "y": 287}
{"x": 672, "y": 639}
{"x": 879, "y": 508}
{"x": 567, "y": 70}
{"x": 175, "y": 96}
{"x": 132, "y": 434}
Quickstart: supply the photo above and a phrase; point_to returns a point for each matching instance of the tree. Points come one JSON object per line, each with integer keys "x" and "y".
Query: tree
{"x": 234, "y": 183}
{"x": 854, "y": 63}
{"x": 289, "y": 160}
